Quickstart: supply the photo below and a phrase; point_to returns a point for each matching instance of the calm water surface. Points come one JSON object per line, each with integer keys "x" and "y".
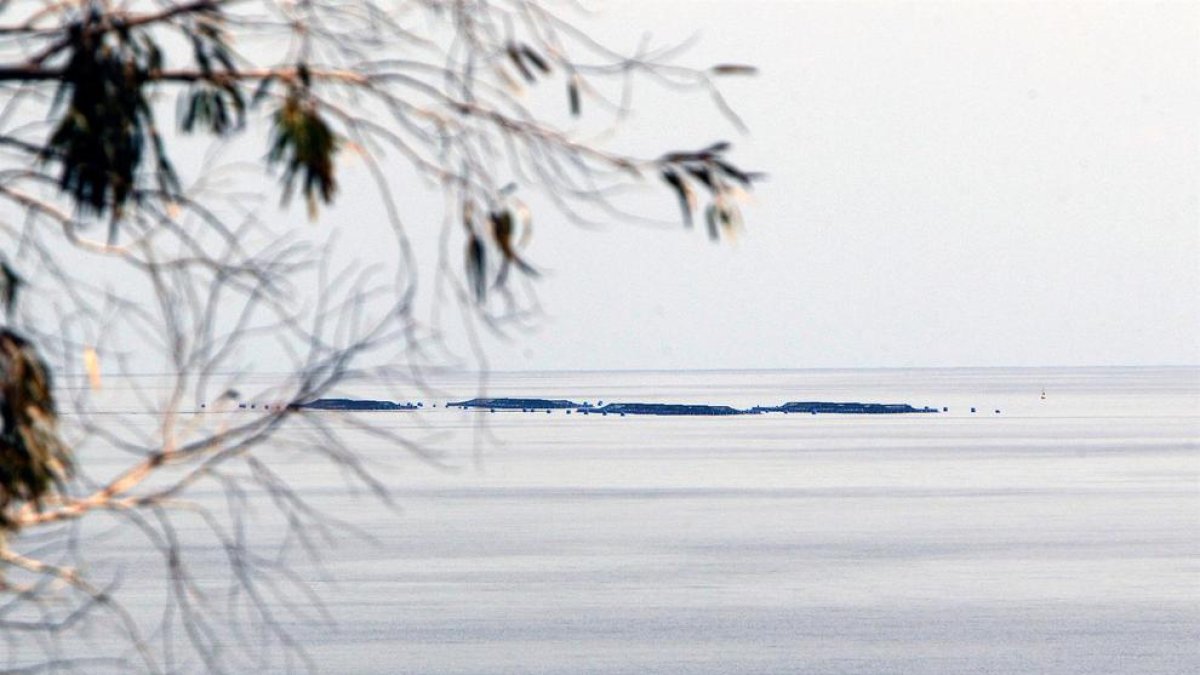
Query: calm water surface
{"x": 1060, "y": 535}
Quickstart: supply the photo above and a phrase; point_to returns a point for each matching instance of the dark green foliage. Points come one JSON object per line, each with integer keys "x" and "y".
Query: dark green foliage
{"x": 208, "y": 43}
{"x": 33, "y": 459}
{"x": 216, "y": 103}
{"x": 108, "y": 130}
{"x": 305, "y": 144}
{"x": 108, "y": 125}
{"x": 219, "y": 109}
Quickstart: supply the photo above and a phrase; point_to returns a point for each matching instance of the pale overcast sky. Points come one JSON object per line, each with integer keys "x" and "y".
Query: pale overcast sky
{"x": 952, "y": 184}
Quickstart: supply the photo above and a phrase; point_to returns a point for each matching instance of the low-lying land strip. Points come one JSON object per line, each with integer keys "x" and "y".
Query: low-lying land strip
{"x": 620, "y": 409}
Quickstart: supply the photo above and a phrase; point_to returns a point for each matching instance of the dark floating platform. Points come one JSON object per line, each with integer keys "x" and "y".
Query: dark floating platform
{"x": 354, "y": 404}
{"x": 516, "y": 404}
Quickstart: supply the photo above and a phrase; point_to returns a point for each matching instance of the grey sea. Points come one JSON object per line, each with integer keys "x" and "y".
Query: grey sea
{"x": 1060, "y": 534}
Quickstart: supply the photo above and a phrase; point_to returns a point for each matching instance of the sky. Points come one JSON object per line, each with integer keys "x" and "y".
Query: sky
{"x": 950, "y": 184}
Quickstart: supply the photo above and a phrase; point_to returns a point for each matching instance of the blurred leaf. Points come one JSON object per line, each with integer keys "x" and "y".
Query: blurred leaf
{"x": 502, "y": 232}
{"x": 262, "y": 90}
{"x": 734, "y": 69}
{"x": 305, "y": 145}
{"x": 10, "y": 286}
{"x": 200, "y": 54}
{"x": 477, "y": 267}
{"x": 714, "y": 231}
{"x": 724, "y": 181}
{"x": 746, "y": 179}
{"x": 716, "y": 148}
{"x": 514, "y": 55}
{"x": 573, "y": 95}
{"x": 687, "y": 198}
{"x": 219, "y": 109}
{"x": 704, "y": 175}
{"x": 536, "y": 59}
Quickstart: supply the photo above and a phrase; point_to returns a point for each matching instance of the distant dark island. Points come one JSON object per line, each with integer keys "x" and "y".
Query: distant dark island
{"x": 353, "y": 404}
{"x": 673, "y": 409}
{"x": 663, "y": 409}
{"x": 825, "y": 407}
{"x": 516, "y": 404}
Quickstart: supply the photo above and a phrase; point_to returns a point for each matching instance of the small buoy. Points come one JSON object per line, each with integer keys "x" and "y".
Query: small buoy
{"x": 568, "y": 412}
{"x": 997, "y": 411}
{"x": 547, "y": 412}
{"x": 972, "y": 410}
{"x": 945, "y": 409}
